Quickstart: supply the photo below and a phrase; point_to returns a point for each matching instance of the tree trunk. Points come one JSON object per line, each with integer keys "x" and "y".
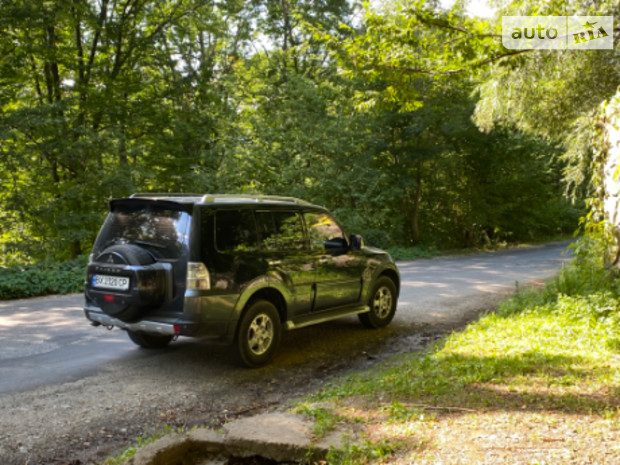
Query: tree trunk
{"x": 75, "y": 249}
{"x": 417, "y": 197}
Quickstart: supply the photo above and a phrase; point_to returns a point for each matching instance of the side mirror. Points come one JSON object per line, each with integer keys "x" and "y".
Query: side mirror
{"x": 338, "y": 243}
{"x": 356, "y": 242}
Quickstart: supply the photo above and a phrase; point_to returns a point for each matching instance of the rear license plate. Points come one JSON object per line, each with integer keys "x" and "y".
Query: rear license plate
{"x": 119, "y": 283}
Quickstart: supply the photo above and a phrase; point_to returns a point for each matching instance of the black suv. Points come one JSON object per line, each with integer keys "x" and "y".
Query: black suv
{"x": 237, "y": 267}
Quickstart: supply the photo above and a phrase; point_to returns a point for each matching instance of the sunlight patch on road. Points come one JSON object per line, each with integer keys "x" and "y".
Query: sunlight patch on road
{"x": 424, "y": 284}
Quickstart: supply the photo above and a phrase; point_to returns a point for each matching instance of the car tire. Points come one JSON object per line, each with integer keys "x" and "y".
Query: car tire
{"x": 258, "y": 335}
{"x": 382, "y": 303}
{"x": 149, "y": 341}
{"x": 123, "y": 307}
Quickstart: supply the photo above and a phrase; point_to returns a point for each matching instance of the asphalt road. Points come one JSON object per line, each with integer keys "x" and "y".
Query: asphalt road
{"x": 71, "y": 393}
{"x": 47, "y": 340}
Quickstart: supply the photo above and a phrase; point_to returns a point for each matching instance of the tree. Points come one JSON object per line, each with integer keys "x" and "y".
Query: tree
{"x": 416, "y": 68}
{"x": 102, "y": 99}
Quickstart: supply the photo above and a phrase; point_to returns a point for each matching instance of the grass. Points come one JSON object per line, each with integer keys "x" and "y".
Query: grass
{"x": 537, "y": 382}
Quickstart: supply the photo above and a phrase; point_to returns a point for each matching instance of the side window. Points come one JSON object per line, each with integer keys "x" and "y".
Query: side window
{"x": 235, "y": 231}
{"x": 325, "y": 234}
{"x": 280, "y": 230}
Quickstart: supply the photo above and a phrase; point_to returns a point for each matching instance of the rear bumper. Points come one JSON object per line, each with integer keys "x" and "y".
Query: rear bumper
{"x": 161, "y": 325}
{"x": 151, "y": 327}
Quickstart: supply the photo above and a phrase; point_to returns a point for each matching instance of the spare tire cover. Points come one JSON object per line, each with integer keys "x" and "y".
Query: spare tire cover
{"x": 127, "y": 307}
{"x": 125, "y": 254}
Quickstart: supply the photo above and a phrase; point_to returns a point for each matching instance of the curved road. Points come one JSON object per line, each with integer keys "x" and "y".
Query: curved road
{"x": 69, "y": 391}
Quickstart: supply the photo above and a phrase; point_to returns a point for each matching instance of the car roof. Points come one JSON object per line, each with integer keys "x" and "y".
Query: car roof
{"x": 224, "y": 199}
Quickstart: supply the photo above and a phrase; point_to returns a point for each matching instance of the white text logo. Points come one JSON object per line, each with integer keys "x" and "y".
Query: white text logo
{"x": 558, "y": 32}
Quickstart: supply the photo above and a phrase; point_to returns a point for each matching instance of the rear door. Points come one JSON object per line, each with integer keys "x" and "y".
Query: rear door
{"x": 283, "y": 243}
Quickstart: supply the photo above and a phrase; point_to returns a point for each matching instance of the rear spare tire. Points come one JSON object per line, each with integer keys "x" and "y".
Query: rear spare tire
{"x": 133, "y": 281}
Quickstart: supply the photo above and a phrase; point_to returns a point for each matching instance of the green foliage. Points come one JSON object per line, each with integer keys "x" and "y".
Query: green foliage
{"x": 586, "y": 277}
{"x": 20, "y": 281}
{"x": 98, "y": 100}
{"x": 564, "y": 105}
{"x": 401, "y": 413}
{"x": 524, "y": 298}
{"x": 587, "y": 272}
{"x": 414, "y": 72}
{"x": 325, "y": 420}
{"x": 361, "y": 454}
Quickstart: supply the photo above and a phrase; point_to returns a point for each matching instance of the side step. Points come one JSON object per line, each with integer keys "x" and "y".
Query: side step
{"x": 322, "y": 317}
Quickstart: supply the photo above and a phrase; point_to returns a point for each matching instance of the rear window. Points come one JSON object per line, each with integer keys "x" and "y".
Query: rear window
{"x": 160, "y": 227}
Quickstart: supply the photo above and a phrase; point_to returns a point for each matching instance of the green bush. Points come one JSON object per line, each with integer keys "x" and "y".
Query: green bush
{"x": 412, "y": 253}
{"x": 42, "y": 278}
{"x": 586, "y": 274}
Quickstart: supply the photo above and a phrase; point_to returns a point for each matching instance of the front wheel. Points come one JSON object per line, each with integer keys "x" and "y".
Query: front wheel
{"x": 149, "y": 341}
{"x": 382, "y": 304}
{"x": 258, "y": 335}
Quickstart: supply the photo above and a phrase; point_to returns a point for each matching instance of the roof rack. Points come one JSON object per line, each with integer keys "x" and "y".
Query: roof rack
{"x": 208, "y": 198}
{"x": 212, "y": 198}
{"x": 163, "y": 194}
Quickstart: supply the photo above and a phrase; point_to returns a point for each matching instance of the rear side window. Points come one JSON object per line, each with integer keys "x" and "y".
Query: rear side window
{"x": 235, "y": 231}
{"x": 280, "y": 230}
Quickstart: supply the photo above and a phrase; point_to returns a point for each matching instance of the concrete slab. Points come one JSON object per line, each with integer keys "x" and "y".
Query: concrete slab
{"x": 275, "y": 436}
{"x": 208, "y": 440}
{"x": 164, "y": 451}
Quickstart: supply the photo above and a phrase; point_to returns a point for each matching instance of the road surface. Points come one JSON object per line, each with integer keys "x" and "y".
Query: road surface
{"x": 69, "y": 391}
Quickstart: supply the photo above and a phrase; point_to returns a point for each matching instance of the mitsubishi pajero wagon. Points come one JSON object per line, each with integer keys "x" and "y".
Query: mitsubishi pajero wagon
{"x": 241, "y": 268}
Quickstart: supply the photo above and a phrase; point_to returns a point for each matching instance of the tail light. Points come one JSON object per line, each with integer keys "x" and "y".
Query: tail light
{"x": 198, "y": 276}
